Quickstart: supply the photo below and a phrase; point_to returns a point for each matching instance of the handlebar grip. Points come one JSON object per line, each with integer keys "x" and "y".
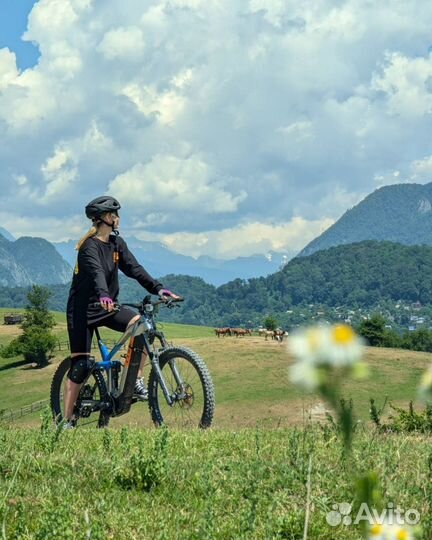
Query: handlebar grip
{"x": 98, "y": 304}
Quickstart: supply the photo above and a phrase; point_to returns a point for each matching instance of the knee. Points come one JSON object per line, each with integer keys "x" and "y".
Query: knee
{"x": 133, "y": 320}
{"x": 80, "y": 368}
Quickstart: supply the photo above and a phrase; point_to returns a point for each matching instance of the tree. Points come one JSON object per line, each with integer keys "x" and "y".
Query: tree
{"x": 270, "y": 323}
{"x": 373, "y": 330}
{"x": 37, "y": 340}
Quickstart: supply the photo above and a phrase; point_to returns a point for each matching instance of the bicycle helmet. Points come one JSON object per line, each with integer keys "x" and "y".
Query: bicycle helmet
{"x": 101, "y": 205}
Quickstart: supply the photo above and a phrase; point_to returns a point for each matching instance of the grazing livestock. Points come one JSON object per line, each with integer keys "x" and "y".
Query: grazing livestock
{"x": 223, "y": 332}
{"x": 279, "y": 335}
{"x": 241, "y": 332}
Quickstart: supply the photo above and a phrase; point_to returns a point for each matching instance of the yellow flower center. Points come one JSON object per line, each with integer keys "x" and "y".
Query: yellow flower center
{"x": 343, "y": 334}
{"x": 402, "y": 535}
{"x": 376, "y": 530}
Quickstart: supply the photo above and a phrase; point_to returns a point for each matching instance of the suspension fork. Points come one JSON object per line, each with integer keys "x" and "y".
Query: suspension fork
{"x": 154, "y": 359}
{"x": 170, "y": 398}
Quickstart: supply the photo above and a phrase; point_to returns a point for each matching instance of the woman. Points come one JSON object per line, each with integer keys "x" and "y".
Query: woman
{"x": 95, "y": 289}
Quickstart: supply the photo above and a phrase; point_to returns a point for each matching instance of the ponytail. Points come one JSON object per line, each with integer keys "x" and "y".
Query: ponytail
{"x": 91, "y": 232}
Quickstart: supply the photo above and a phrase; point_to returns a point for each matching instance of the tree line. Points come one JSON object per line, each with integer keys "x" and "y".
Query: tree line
{"x": 360, "y": 275}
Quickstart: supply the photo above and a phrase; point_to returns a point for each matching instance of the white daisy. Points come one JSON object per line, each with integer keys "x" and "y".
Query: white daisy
{"x": 345, "y": 347}
{"x": 425, "y": 388}
{"x": 305, "y": 374}
{"x": 308, "y": 344}
{"x": 389, "y": 532}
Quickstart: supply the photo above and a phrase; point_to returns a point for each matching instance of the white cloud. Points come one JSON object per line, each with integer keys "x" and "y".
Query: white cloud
{"x": 122, "y": 44}
{"x": 8, "y": 69}
{"x": 388, "y": 178}
{"x": 202, "y": 116}
{"x": 422, "y": 170}
{"x": 52, "y": 229}
{"x": 171, "y": 184}
{"x": 165, "y": 106}
{"x": 60, "y": 174}
{"x": 404, "y": 82}
{"x": 248, "y": 239}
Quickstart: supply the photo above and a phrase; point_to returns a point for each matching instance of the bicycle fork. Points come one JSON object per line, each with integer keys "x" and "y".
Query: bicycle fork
{"x": 170, "y": 398}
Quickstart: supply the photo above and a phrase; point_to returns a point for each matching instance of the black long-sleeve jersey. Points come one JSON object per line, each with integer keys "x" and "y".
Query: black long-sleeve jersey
{"x": 96, "y": 275}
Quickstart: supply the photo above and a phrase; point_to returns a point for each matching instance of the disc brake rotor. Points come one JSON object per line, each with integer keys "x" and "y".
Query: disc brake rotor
{"x": 188, "y": 399}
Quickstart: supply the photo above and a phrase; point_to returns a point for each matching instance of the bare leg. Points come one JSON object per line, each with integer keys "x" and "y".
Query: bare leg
{"x": 142, "y": 364}
{"x": 144, "y": 354}
{"x": 71, "y": 392}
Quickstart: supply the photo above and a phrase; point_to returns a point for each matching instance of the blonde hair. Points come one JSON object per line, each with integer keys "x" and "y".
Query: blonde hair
{"x": 91, "y": 232}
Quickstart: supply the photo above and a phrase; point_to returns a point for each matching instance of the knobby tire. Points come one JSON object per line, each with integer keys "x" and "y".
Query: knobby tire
{"x": 193, "y": 367}
{"x": 56, "y": 397}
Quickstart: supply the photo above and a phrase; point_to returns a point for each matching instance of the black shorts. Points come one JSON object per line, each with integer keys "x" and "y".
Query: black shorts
{"x": 81, "y": 333}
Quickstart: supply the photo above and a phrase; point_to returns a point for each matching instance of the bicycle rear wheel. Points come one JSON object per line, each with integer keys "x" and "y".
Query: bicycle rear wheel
{"x": 89, "y": 406}
{"x": 192, "y": 391}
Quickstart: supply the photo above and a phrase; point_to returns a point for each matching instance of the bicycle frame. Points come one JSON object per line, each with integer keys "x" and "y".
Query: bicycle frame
{"x": 138, "y": 335}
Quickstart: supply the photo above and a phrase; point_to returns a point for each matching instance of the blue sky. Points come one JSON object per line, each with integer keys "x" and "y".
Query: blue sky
{"x": 13, "y": 23}
{"x": 225, "y": 127}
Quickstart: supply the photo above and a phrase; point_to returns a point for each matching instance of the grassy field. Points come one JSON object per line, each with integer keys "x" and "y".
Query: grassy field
{"x": 247, "y": 478}
{"x": 250, "y": 375}
{"x": 132, "y": 484}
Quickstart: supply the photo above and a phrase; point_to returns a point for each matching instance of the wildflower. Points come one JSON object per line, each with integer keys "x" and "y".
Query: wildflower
{"x": 376, "y": 532}
{"x": 345, "y": 347}
{"x": 305, "y": 374}
{"x": 307, "y": 344}
{"x": 318, "y": 349}
{"x": 425, "y": 388}
{"x": 389, "y": 532}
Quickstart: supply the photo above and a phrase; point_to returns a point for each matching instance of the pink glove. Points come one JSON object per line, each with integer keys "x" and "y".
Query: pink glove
{"x": 106, "y": 302}
{"x": 167, "y": 292}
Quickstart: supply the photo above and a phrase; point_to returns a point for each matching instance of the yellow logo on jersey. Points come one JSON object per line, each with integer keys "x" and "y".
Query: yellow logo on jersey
{"x": 76, "y": 268}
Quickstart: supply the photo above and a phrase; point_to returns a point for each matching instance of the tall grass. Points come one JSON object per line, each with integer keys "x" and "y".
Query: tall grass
{"x": 130, "y": 483}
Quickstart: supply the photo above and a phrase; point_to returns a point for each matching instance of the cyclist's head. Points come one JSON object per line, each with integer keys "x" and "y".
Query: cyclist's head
{"x": 100, "y": 206}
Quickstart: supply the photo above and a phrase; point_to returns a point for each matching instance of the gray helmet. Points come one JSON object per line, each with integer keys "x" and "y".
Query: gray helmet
{"x": 100, "y": 205}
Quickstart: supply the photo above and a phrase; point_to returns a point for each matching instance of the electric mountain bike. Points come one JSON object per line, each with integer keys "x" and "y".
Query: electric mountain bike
{"x": 180, "y": 387}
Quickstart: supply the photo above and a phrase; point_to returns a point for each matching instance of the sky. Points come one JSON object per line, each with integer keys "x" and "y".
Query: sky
{"x": 224, "y": 127}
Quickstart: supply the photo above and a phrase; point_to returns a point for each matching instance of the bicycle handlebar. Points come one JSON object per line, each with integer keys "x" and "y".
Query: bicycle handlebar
{"x": 166, "y": 300}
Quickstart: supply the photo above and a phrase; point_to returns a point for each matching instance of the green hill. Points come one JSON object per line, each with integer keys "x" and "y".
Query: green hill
{"x": 400, "y": 213}
{"x": 363, "y": 274}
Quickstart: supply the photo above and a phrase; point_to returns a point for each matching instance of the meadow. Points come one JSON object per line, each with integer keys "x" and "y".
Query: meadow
{"x": 271, "y": 456}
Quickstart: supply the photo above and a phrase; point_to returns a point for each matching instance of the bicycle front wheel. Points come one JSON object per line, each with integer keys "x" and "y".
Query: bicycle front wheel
{"x": 89, "y": 406}
{"x": 190, "y": 386}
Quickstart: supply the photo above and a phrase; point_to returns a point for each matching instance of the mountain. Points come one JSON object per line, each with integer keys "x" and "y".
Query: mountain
{"x": 399, "y": 213}
{"x": 6, "y": 234}
{"x": 159, "y": 260}
{"x": 28, "y": 260}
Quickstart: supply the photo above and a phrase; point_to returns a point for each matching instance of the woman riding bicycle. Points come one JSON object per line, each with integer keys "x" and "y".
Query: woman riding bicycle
{"x": 95, "y": 289}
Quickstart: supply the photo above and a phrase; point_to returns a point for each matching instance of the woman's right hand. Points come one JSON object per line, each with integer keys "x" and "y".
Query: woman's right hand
{"x": 107, "y": 303}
